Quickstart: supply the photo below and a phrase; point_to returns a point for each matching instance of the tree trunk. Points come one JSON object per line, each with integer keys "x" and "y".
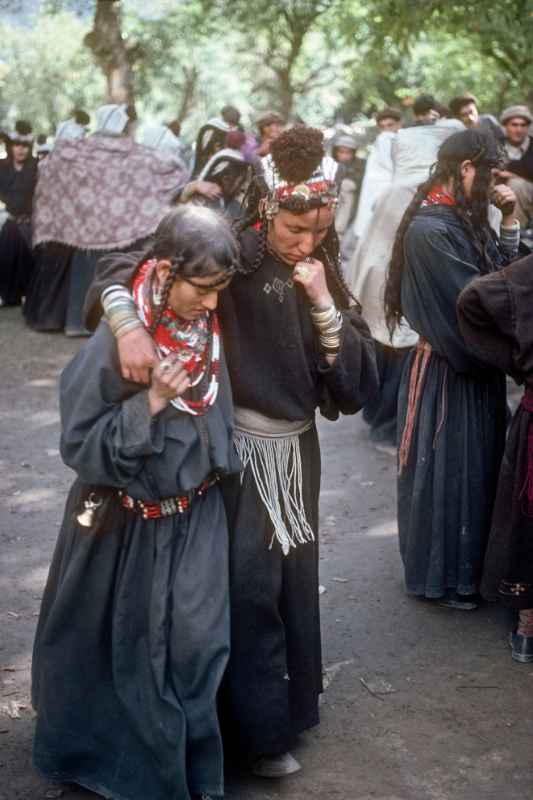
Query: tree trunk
{"x": 286, "y": 96}
{"x": 190, "y": 83}
{"x": 111, "y": 52}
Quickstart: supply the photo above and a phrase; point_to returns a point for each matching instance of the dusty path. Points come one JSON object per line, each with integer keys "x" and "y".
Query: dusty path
{"x": 458, "y": 721}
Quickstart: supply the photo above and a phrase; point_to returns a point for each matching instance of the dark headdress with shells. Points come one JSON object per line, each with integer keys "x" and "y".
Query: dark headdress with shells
{"x": 298, "y": 174}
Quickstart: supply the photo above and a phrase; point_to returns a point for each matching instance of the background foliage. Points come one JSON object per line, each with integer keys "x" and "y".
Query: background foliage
{"x": 324, "y": 60}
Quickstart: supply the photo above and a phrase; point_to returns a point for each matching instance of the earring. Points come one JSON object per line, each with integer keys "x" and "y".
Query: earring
{"x": 157, "y": 295}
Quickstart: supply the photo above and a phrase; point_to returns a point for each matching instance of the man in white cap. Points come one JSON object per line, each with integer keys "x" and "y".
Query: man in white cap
{"x": 519, "y": 171}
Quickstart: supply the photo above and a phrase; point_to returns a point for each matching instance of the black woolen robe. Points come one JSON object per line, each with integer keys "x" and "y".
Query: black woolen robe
{"x": 276, "y": 368}
{"x": 47, "y": 295}
{"x": 16, "y": 261}
{"x": 133, "y": 634}
{"x": 496, "y": 319}
{"x": 446, "y": 492}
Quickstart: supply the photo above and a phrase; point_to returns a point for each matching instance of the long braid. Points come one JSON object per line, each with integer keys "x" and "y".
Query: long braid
{"x": 261, "y": 250}
{"x": 159, "y": 310}
{"x": 472, "y": 214}
{"x": 330, "y": 251}
{"x": 393, "y": 285}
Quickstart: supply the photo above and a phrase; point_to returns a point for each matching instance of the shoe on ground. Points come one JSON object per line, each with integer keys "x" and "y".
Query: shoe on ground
{"x": 389, "y": 449}
{"x": 276, "y": 766}
{"x": 461, "y": 602}
{"x": 521, "y": 647}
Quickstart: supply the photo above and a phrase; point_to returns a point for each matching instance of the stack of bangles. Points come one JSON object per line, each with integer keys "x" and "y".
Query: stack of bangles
{"x": 120, "y": 310}
{"x": 328, "y": 322}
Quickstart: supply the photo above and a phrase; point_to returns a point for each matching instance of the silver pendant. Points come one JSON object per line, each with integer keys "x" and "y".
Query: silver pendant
{"x": 86, "y": 518}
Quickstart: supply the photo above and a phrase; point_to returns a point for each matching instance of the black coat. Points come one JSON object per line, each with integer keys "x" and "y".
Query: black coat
{"x": 496, "y": 321}
{"x": 446, "y": 490}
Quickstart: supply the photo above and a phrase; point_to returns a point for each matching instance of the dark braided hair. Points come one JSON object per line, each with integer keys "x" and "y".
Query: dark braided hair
{"x": 484, "y": 152}
{"x": 159, "y": 309}
{"x": 330, "y": 249}
{"x": 296, "y": 153}
{"x": 198, "y": 242}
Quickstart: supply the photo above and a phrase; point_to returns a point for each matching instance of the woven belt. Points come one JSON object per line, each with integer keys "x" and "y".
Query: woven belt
{"x": 170, "y": 505}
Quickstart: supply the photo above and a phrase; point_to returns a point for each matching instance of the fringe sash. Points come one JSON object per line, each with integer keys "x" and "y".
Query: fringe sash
{"x": 416, "y": 384}
{"x": 416, "y": 381}
{"x": 271, "y": 448}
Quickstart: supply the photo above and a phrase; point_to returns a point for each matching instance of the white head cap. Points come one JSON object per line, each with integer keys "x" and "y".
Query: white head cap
{"x": 112, "y": 119}
{"x": 161, "y": 138}
{"x": 70, "y": 129}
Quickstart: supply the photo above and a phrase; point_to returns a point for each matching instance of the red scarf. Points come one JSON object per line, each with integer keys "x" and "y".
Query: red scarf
{"x": 196, "y": 343}
{"x": 438, "y": 196}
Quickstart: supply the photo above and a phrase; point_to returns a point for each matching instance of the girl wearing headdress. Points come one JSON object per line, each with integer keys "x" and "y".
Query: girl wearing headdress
{"x": 451, "y": 407}
{"x": 295, "y": 343}
{"x": 133, "y": 634}
{"x": 18, "y": 177}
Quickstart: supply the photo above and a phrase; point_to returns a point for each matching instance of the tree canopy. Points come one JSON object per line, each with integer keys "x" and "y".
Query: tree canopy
{"x": 321, "y": 59}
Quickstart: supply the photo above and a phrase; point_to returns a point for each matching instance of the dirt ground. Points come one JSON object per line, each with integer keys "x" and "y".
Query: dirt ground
{"x": 422, "y": 703}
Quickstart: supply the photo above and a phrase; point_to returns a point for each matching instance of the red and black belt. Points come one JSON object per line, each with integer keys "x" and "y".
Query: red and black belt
{"x": 169, "y": 506}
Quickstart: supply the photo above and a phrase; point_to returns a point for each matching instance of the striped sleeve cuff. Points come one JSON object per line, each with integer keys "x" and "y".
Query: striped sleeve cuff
{"x": 510, "y": 238}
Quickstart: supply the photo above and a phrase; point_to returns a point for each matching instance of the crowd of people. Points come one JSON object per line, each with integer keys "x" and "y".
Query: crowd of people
{"x": 226, "y": 302}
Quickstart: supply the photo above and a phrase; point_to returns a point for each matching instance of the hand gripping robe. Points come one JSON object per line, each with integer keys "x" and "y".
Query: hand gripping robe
{"x": 495, "y": 319}
{"x": 452, "y": 411}
{"x": 133, "y": 636}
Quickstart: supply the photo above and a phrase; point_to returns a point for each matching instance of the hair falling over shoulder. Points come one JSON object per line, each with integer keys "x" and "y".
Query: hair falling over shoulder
{"x": 472, "y": 212}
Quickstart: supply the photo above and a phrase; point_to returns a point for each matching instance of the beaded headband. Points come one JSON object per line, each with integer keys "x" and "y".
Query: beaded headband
{"x": 317, "y": 191}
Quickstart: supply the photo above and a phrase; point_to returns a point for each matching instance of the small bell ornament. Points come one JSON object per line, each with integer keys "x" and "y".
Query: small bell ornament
{"x": 86, "y": 518}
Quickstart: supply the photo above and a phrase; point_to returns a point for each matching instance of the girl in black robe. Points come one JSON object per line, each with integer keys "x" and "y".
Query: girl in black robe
{"x": 284, "y": 364}
{"x": 496, "y": 321}
{"x": 451, "y": 407}
{"x": 18, "y": 177}
{"x": 133, "y": 635}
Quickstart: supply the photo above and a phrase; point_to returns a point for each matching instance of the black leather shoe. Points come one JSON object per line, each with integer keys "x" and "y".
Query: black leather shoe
{"x": 521, "y": 647}
{"x": 461, "y": 602}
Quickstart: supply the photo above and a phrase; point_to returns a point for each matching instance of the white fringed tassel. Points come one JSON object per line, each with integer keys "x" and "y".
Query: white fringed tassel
{"x": 276, "y": 465}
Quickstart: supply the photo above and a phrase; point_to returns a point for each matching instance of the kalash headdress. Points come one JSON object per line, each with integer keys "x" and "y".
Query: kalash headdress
{"x": 298, "y": 174}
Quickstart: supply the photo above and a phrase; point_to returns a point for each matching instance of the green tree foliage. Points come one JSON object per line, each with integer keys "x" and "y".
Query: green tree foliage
{"x": 321, "y": 59}
{"x": 45, "y": 71}
{"x": 278, "y": 38}
{"x": 480, "y": 45}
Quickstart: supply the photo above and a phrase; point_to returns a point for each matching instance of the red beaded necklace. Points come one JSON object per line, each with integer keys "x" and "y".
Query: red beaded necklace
{"x": 195, "y": 342}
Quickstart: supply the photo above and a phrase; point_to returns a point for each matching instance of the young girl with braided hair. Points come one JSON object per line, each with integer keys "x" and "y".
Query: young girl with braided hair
{"x": 133, "y": 636}
{"x": 451, "y": 407}
{"x": 295, "y": 343}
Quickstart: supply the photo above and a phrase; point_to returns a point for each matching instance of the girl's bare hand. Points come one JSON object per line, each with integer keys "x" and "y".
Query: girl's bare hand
{"x": 169, "y": 380}
{"x": 311, "y": 275}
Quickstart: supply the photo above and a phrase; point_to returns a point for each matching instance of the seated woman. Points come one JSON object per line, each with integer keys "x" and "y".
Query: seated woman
{"x": 133, "y": 635}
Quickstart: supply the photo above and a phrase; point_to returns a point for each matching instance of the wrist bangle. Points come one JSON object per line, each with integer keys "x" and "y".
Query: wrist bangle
{"x": 120, "y": 310}
{"x": 128, "y": 326}
{"x": 328, "y": 322}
